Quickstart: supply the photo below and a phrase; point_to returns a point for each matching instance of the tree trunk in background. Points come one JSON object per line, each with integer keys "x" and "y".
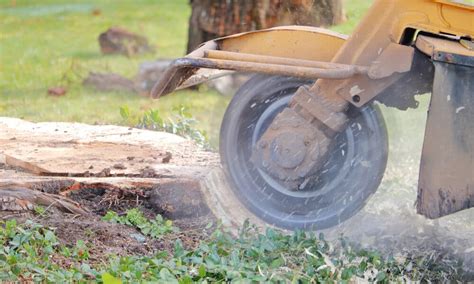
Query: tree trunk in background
{"x": 215, "y": 18}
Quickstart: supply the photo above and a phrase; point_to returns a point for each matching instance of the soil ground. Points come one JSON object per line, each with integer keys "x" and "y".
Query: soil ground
{"x": 104, "y": 238}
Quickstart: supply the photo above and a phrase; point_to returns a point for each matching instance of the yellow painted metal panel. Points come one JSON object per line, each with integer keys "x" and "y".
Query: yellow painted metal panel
{"x": 297, "y": 42}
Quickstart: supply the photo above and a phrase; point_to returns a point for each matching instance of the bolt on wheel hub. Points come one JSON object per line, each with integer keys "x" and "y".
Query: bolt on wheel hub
{"x": 288, "y": 150}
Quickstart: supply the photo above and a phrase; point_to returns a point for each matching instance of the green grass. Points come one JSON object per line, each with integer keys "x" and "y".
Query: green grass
{"x": 355, "y": 10}
{"x": 54, "y": 42}
{"x": 30, "y": 252}
{"x": 156, "y": 228}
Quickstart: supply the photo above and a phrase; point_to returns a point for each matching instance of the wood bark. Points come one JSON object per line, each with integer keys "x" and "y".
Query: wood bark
{"x": 215, "y": 18}
{"x": 17, "y": 199}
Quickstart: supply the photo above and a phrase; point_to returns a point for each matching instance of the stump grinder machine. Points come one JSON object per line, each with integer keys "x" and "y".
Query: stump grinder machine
{"x": 302, "y": 143}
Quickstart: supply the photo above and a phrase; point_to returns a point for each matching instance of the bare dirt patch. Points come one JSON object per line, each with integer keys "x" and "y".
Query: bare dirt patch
{"x": 103, "y": 238}
{"x": 77, "y": 173}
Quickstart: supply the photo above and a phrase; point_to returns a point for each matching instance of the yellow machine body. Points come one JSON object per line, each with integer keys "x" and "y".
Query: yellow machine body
{"x": 396, "y": 38}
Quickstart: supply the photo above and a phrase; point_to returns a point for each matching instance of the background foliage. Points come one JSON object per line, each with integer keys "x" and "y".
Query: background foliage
{"x": 54, "y": 42}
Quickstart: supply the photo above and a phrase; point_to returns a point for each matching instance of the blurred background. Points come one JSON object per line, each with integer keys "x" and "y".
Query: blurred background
{"x": 49, "y": 49}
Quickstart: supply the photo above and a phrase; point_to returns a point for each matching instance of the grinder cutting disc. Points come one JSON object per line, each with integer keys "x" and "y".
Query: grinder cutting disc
{"x": 351, "y": 174}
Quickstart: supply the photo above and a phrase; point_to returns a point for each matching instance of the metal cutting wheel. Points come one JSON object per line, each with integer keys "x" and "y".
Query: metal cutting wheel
{"x": 351, "y": 174}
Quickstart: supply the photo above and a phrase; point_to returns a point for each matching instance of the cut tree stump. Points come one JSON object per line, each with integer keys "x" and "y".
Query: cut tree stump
{"x": 43, "y": 163}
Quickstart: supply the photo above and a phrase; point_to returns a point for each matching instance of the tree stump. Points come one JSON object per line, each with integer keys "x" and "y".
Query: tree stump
{"x": 215, "y": 18}
{"x": 43, "y": 164}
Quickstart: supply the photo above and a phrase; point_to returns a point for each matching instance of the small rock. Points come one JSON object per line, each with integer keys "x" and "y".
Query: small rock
{"x": 228, "y": 85}
{"x": 138, "y": 237}
{"x": 96, "y": 12}
{"x": 109, "y": 82}
{"x": 147, "y": 172}
{"x": 57, "y": 91}
{"x": 119, "y": 40}
{"x": 150, "y": 72}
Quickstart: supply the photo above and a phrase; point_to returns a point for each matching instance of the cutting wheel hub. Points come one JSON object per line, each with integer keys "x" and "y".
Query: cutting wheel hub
{"x": 288, "y": 150}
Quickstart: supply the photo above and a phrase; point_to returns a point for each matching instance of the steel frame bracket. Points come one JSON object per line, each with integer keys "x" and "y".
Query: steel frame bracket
{"x": 395, "y": 58}
{"x": 447, "y": 50}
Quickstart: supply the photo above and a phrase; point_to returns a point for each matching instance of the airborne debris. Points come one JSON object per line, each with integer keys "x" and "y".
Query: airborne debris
{"x": 459, "y": 109}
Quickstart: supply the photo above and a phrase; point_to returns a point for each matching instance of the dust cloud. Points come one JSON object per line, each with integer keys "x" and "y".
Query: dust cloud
{"x": 389, "y": 221}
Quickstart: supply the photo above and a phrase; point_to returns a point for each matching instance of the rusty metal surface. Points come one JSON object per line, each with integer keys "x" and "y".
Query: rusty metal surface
{"x": 368, "y": 41}
{"x": 454, "y": 59}
{"x": 447, "y": 50}
{"x": 446, "y": 183}
{"x": 396, "y": 58}
{"x": 316, "y": 119}
{"x": 175, "y": 75}
{"x": 419, "y": 81}
{"x": 391, "y": 63}
{"x": 275, "y": 69}
{"x": 289, "y": 151}
{"x": 181, "y": 69}
{"x": 317, "y": 107}
{"x": 293, "y": 42}
{"x": 431, "y": 46}
{"x": 246, "y": 57}
{"x": 177, "y": 72}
